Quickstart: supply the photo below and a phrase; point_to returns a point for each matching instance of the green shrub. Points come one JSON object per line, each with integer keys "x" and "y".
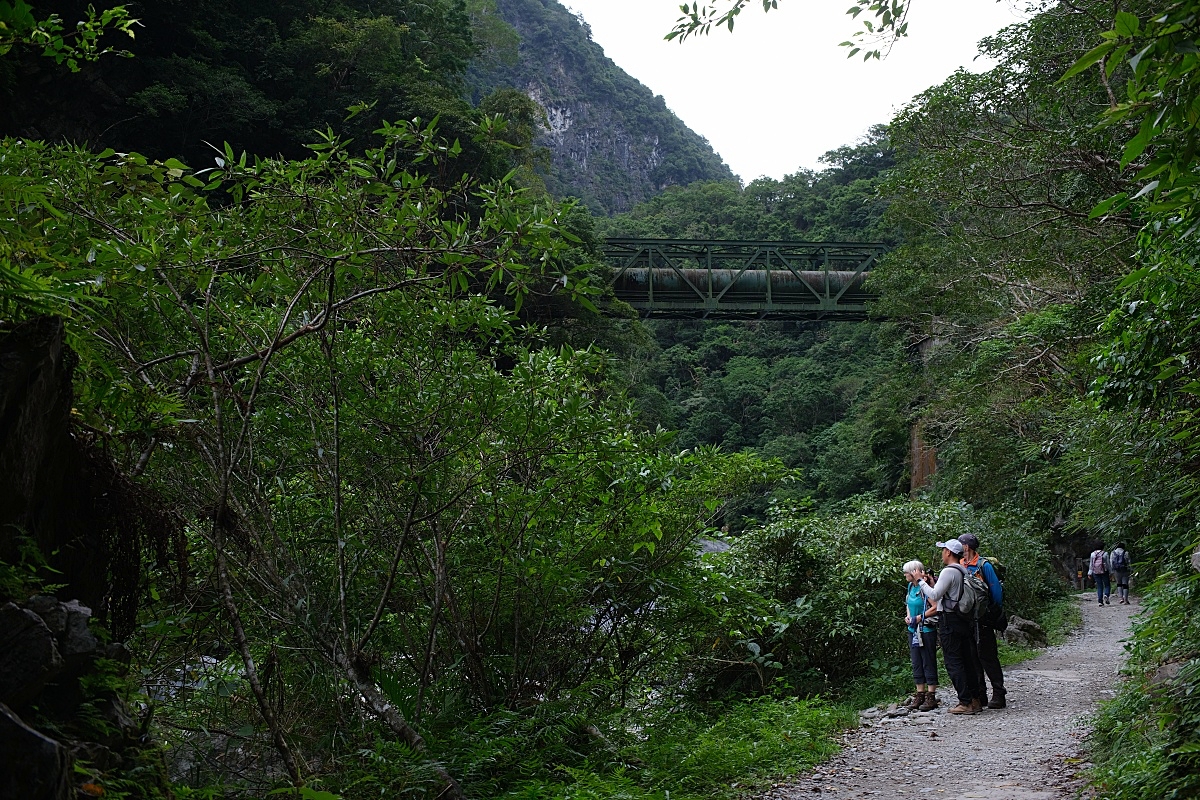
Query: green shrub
{"x": 1146, "y": 743}
{"x": 684, "y": 756}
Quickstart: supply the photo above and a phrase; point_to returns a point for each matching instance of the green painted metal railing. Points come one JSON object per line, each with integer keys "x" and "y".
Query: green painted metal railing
{"x": 683, "y": 278}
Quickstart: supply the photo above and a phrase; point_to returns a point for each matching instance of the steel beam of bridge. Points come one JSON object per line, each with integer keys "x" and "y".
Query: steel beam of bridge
{"x": 693, "y": 279}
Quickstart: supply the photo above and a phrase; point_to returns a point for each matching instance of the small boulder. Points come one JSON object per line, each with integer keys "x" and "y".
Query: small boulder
{"x": 52, "y": 612}
{"x": 35, "y": 766}
{"x": 1025, "y": 633}
{"x": 1166, "y": 674}
{"x": 78, "y": 643}
{"x": 119, "y": 653}
{"x": 116, "y": 713}
{"x": 95, "y": 754}
{"x": 29, "y": 657}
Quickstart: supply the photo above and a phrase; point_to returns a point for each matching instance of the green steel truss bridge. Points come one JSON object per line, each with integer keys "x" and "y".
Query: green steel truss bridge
{"x": 692, "y": 279}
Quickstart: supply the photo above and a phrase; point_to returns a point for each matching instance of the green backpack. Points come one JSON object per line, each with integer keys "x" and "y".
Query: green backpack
{"x": 996, "y": 617}
{"x": 998, "y": 566}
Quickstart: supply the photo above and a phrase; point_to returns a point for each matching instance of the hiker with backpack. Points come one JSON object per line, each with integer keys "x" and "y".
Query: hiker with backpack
{"x": 1098, "y": 572}
{"x": 1120, "y": 563}
{"x": 922, "y": 640}
{"x": 990, "y": 622}
{"x": 957, "y": 594}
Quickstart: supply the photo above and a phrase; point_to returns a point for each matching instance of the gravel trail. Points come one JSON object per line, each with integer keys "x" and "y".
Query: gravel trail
{"x": 1031, "y": 750}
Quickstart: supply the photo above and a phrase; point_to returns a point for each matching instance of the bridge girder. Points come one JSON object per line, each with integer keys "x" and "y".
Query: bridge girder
{"x": 699, "y": 279}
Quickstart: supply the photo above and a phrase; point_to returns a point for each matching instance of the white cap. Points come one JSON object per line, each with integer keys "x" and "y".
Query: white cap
{"x": 954, "y": 546}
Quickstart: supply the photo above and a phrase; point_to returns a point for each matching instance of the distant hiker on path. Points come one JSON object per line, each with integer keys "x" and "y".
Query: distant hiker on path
{"x": 956, "y": 631}
{"x": 1119, "y": 561}
{"x": 989, "y": 654}
{"x": 1098, "y": 572}
{"x": 922, "y": 640}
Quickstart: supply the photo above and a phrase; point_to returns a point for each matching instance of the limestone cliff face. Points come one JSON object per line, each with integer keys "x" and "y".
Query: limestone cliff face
{"x": 612, "y": 141}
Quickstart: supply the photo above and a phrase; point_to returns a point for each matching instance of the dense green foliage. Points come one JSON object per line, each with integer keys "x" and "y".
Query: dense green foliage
{"x": 262, "y": 76}
{"x": 443, "y": 519}
{"x": 1005, "y": 272}
{"x": 426, "y": 547}
{"x": 267, "y": 76}
{"x": 830, "y": 400}
{"x": 834, "y": 400}
{"x": 840, "y": 203}
{"x": 390, "y": 490}
{"x": 21, "y": 28}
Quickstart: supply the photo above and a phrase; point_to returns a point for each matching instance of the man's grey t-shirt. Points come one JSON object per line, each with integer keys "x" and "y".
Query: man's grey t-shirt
{"x": 949, "y": 584}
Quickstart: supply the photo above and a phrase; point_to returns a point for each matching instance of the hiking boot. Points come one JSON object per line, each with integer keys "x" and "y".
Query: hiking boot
{"x": 915, "y": 701}
{"x": 931, "y": 702}
{"x": 997, "y": 701}
{"x": 961, "y": 709}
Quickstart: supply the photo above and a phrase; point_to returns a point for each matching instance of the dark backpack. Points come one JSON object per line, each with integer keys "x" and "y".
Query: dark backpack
{"x": 995, "y": 618}
{"x": 1119, "y": 559}
{"x": 973, "y": 599}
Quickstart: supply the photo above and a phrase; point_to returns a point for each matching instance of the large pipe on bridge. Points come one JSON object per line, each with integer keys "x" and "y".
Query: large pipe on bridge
{"x": 743, "y": 279}
{"x": 751, "y": 292}
{"x": 730, "y": 285}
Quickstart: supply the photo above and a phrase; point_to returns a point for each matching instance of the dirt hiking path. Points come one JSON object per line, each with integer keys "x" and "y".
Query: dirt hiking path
{"x": 1031, "y": 750}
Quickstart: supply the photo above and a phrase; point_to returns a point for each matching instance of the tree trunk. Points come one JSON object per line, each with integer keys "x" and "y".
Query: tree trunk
{"x": 381, "y": 707}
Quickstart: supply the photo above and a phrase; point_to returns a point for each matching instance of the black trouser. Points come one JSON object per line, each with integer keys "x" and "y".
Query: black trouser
{"x": 957, "y": 636}
{"x": 989, "y": 663}
{"x": 924, "y": 659}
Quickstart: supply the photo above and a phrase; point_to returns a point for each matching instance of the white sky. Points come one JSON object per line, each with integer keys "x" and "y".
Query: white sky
{"x": 778, "y": 92}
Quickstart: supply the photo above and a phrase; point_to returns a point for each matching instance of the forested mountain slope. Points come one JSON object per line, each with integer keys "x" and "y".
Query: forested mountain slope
{"x": 267, "y": 76}
{"x": 264, "y": 76}
{"x": 612, "y": 141}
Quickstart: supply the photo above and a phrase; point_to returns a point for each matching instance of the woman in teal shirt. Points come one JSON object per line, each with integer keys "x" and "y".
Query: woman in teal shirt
{"x": 922, "y": 641}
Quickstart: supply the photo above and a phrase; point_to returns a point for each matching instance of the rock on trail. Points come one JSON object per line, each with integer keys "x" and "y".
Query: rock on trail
{"x": 1031, "y": 750}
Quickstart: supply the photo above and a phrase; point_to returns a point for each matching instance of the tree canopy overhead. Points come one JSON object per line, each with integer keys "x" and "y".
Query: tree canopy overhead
{"x": 266, "y": 77}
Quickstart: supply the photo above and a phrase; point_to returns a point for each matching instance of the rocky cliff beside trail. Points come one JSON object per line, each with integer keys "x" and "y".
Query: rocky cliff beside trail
{"x": 66, "y": 517}
{"x": 612, "y": 141}
{"x": 42, "y": 471}
{"x": 62, "y": 721}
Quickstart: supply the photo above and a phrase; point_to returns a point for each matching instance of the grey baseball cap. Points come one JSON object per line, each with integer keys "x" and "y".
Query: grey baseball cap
{"x": 954, "y": 546}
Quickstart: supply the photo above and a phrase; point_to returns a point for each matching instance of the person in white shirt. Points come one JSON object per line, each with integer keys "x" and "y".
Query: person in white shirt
{"x": 956, "y": 632}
